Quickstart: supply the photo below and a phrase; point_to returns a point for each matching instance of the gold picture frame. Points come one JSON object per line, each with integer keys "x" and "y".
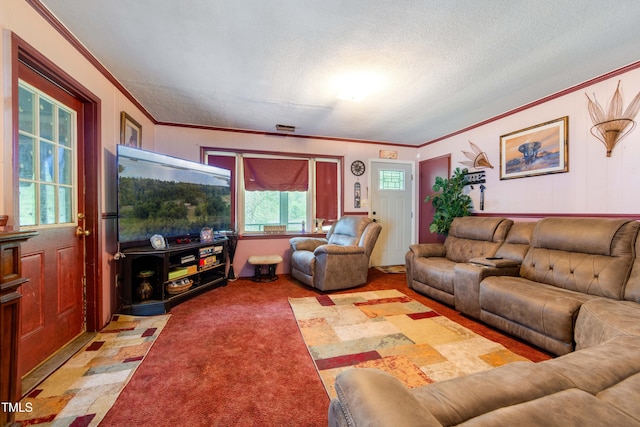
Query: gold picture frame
{"x": 130, "y": 131}
{"x": 537, "y": 150}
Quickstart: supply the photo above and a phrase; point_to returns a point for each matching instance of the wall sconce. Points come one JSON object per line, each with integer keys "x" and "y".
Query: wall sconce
{"x": 478, "y": 159}
{"x": 614, "y": 124}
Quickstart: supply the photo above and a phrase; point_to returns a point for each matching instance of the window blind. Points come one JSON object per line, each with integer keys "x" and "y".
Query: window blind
{"x": 275, "y": 174}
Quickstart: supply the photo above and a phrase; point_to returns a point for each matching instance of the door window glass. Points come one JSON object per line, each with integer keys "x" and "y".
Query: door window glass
{"x": 391, "y": 179}
{"x": 46, "y": 159}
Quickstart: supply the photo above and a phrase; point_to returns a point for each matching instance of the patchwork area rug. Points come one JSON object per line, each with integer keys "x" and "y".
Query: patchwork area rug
{"x": 390, "y": 331}
{"x": 82, "y": 391}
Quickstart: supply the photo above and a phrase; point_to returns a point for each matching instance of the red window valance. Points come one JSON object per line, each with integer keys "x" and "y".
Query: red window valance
{"x": 276, "y": 174}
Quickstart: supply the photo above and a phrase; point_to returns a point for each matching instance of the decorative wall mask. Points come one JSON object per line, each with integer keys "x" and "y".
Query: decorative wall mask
{"x": 614, "y": 124}
{"x": 477, "y": 159}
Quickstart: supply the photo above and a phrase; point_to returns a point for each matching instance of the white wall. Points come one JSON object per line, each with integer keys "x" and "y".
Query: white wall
{"x": 17, "y": 17}
{"x": 595, "y": 184}
{"x": 186, "y": 143}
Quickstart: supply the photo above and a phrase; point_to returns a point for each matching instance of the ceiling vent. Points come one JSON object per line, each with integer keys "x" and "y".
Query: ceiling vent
{"x": 285, "y": 128}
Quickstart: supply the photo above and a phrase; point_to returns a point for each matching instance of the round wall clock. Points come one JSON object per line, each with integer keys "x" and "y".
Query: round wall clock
{"x": 357, "y": 168}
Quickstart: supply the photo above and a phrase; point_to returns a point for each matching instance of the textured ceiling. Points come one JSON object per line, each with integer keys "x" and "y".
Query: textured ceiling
{"x": 440, "y": 66}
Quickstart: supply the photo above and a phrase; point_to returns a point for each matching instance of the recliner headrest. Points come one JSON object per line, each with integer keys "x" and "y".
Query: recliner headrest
{"x": 478, "y": 228}
{"x": 585, "y": 235}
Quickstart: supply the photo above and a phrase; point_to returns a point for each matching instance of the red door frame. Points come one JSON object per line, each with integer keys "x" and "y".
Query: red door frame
{"x": 427, "y": 172}
{"x": 21, "y": 51}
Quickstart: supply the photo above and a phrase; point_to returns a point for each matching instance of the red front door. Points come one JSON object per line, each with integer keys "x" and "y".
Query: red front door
{"x": 51, "y": 200}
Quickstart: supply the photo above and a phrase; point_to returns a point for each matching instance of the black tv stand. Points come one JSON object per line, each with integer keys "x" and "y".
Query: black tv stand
{"x": 151, "y": 277}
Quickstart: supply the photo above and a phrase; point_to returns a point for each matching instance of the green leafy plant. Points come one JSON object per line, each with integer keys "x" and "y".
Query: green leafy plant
{"x": 449, "y": 201}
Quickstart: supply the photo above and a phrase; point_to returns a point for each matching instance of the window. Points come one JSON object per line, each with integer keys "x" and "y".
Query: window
{"x": 46, "y": 159}
{"x": 391, "y": 179}
{"x": 262, "y": 208}
{"x": 281, "y": 191}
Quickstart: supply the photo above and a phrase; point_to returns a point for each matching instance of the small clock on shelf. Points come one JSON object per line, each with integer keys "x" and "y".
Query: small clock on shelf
{"x": 357, "y": 168}
{"x": 158, "y": 242}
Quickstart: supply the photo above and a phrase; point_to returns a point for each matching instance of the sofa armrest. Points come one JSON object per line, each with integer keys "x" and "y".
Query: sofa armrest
{"x": 497, "y": 262}
{"x": 338, "y": 250}
{"x": 374, "y": 398}
{"x": 467, "y": 284}
{"x": 306, "y": 243}
{"x": 428, "y": 250}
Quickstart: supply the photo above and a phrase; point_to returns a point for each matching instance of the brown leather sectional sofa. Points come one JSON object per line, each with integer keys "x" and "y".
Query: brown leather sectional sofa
{"x": 531, "y": 279}
{"x": 568, "y": 285}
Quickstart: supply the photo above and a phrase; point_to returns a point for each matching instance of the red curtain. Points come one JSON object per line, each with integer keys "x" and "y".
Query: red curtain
{"x": 276, "y": 175}
{"x": 327, "y": 190}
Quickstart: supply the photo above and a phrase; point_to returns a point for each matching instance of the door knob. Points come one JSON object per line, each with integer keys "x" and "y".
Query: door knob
{"x": 82, "y": 232}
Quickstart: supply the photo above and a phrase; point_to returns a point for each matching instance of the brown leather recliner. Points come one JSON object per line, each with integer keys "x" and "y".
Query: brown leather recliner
{"x": 339, "y": 261}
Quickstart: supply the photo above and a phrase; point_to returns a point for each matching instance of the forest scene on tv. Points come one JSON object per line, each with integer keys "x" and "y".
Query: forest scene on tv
{"x": 173, "y": 202}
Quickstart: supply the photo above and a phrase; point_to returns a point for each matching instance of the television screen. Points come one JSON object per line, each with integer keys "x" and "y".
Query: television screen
{"x": 175, "y": 198}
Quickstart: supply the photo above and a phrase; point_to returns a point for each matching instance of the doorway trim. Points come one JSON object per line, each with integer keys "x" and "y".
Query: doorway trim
{"x": 370, "y": 182}
{"x": 89, "y": 130}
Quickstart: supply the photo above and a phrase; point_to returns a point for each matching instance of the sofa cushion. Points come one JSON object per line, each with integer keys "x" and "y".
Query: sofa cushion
{"x": 471, "y": 237}
{"x": 437, "y": 272}
{"x": 587, "y": 255}
{"x": 348, "y": 230}
{"x": 598, "y": 368}
{"x": 632, "y": 288}
{"x": 543, "y": 308}
{"x": 517, "y": 242}
{"x": 625, "y": 396}
{"x": 480, "y": 228}
{"x": 602, "y": 319}
{"x": 460, "y": 399}
{"x": 373, "y": 397}
{"x": 304, "y": 261}
{"x": 595, "y": 236}
{"x": 566, "y": 408}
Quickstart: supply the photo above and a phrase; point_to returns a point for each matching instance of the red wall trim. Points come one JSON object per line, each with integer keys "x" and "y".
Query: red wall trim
{"x": 558, "y": 215}
{"x": 284, "y": 135}
{"x": 66, "y": 34}
{"x": 595, "y": 80}
{"x": 57, "y": 25}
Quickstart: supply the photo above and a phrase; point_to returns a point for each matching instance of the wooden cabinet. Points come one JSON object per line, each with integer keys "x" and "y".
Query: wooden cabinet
{"x": 10, "y": 281}
{"x": 154, "y": 280}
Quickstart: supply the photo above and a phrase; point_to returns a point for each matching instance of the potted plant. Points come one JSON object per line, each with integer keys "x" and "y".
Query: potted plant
{"x": 450, "y": 202}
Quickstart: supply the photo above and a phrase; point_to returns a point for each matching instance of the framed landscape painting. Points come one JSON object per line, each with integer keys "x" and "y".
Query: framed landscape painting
{"x": 536, "y": 150}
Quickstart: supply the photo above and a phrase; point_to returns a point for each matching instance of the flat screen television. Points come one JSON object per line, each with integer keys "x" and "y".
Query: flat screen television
{"x": 172, "y": 197}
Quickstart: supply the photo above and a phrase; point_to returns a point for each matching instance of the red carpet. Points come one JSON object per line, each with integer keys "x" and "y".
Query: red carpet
{"x": 234, "y": 357}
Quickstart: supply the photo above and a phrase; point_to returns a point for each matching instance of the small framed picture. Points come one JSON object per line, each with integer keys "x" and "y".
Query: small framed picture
{"x": 206, "y": 234}
{"x": 130, "y": 131}
{"x": 388, "y": 154}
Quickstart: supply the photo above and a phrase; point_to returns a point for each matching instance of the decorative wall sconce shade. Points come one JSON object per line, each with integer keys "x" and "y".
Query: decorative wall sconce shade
{"x": 477, "y": 159}
{"x": 612, "y": 126}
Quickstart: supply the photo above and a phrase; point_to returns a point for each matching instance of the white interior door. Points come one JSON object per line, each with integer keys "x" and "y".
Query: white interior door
{"x": 391, "y": 205}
